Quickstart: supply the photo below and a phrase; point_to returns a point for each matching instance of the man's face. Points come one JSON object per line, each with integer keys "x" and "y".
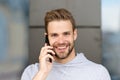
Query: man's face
{"x": 61, "y": 37}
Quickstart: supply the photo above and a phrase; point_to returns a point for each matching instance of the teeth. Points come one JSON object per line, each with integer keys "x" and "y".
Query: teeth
{"x": 61, "y": 47}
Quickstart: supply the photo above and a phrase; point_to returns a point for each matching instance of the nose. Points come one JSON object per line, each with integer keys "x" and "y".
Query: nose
{"x": 60, "y": 39}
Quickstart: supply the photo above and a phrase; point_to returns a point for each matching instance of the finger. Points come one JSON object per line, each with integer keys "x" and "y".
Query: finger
{"x": 51, "y": 52}
{"x": 46, "y": 47}
{"x": 48, "y": 56}
{"x": 43, "y": 49}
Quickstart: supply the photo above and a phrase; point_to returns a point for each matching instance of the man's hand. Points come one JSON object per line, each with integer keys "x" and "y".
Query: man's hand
{"x": 45, "y": 65}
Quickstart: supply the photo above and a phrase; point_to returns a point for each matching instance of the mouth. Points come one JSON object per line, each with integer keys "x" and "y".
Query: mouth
{"x": 61, "y": 49}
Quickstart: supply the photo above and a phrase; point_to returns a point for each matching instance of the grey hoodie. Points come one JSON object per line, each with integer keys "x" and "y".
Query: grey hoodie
{"x": 80, "y": 68}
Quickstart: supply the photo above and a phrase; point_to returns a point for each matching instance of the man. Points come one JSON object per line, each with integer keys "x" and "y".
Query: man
{"x": 58, "y": 59}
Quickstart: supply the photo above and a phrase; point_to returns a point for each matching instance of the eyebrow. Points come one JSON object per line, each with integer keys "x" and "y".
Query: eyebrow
{"x": 62, "y": 32}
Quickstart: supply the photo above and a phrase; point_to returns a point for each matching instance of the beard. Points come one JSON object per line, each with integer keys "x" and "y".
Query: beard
{"x": 65, "y": 53}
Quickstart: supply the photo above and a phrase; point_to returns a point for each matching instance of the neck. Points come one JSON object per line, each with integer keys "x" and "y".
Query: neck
{"x": 68, "y": 59}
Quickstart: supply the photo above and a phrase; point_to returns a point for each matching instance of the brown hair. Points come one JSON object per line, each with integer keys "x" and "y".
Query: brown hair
{"x": 58, "y": 14}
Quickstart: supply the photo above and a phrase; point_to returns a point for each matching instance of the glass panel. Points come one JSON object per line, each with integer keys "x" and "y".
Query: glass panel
{"x": 13, "y": 38}
{"x": 111, "y": 36}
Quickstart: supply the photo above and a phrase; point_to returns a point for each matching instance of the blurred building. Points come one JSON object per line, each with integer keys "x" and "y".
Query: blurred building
{"x": 111, "y": 37}
{"x": 13, "y": 38}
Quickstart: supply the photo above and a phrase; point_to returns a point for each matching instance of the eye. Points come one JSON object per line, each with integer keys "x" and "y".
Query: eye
{"x": 66, "y": 33}
{"x": 54, "y": 35}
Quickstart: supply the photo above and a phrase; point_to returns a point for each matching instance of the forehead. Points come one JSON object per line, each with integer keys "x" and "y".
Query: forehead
{"x": 59, "y": 26}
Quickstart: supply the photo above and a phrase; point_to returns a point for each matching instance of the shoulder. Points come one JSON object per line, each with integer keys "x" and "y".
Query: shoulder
{"x": 96, "y": 66}
{"x": 88, "y": 63}
{"x": 100, "y": 70}
{"x": 30, "y": 71}
{"x": 32, "y": 67}
{"x": 104, "y": 73}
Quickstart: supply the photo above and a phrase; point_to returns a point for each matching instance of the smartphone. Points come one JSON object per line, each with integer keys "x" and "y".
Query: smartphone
{"x": 47, "y": 41}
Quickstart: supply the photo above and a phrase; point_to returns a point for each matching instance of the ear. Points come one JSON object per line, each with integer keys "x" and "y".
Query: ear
{"x": 45, "y": 34}
{"x": 75, "y": 34}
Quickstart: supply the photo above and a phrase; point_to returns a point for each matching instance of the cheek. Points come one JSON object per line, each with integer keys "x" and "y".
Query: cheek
{"x": 71, "y": 39}
{"x": 52, "y": 41}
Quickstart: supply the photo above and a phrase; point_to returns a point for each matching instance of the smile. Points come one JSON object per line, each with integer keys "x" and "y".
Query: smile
{"x": 61, "y": 48}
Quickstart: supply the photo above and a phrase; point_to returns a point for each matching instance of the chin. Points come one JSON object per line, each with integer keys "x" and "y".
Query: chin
{"x": 62, "y": 55}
